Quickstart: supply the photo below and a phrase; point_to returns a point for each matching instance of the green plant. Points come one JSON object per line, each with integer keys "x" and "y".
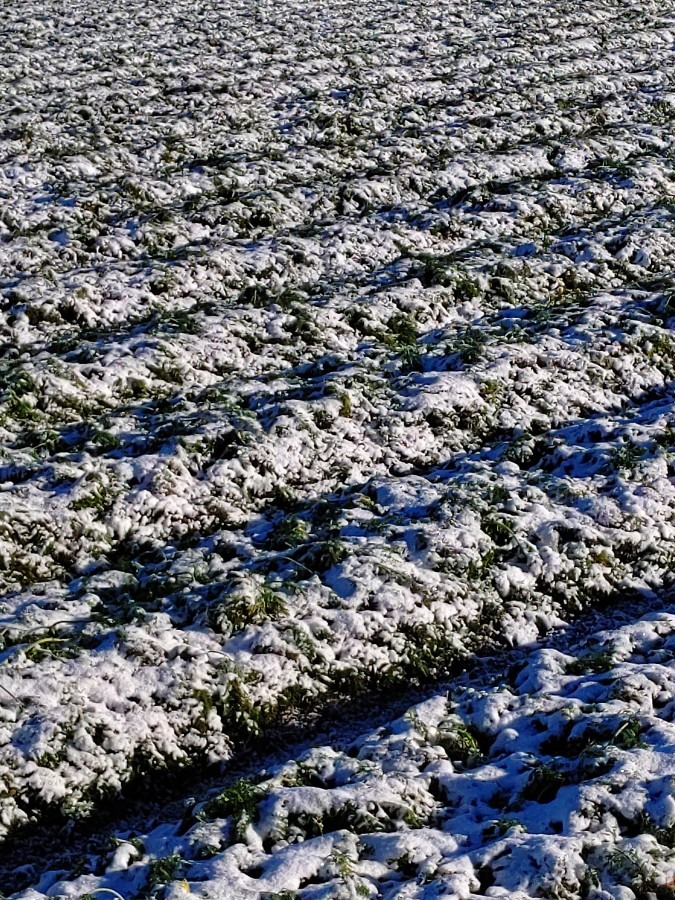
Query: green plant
{"x": 460, "y": 744}
{"x": 498, "y": 529}
{"x": 323, "y": 419}
{"x": 242, "y": 610}
{"x": 435, "y": 271}
{"x": 491, "y": 391}
{"x": 283, "y": 895}
{"x": 164, "y": 869}
{"x": 323, "y": 555}
{"x": 22, "y": 409}
{"x": 239, "y": 802}
{"x": 402, "y": 338}
{"x": 627, "y": 735}
{"x": 22, "y": 383}
{"x": 304, "y": 643}
{"x": 358, "y": 319}
{"x": 470, "y": 345}
{"x": 406, "y": 865}
{"x": 302, "y": 325}
{"x": 291, "y": 532}
{"x": 240, "y": 716}
{"x": 105, "y": 440}
{"x": 342, "y": 860}
{"x": 428, "y": 653}
{"x": 628, "y": 456}
{"x": 41, "y": 441}
{"x": 410, "y": 360}
{"x": 178, "y": 320}
{"x": 66, "y": 648}
{"x": 465, "y": 288}
{"x": 497, "y": 495}
{"x": 135, "y": 842}
{"x": 526, "y": 450}
{"x": 99, "y": 499}
{"x": 403, "y": 332}
{"x": 595, "y": 661}
{"x": 626, "y": 865}
{"x": 500, "y": 826}
{"x": 657, "y": 345}
{"x": 544, "y": 782}
{"x": 481, "y": 569}
{"x": 664, "y": 834}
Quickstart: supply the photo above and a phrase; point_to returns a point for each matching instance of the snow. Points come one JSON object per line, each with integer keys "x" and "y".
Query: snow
{"x": 335, "y": 346}
{"x": 519, "y": 786}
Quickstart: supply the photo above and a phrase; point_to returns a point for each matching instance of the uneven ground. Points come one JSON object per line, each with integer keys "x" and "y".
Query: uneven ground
{"x": 335, "y": 343}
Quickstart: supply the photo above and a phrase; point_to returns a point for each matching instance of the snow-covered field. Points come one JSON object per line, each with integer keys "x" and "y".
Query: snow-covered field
{"x": 554, "y": 780}
{"x": 335, "y": 344}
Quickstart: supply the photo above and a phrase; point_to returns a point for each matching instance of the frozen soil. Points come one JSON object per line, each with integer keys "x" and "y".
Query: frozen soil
{"x": 335, "y": 342}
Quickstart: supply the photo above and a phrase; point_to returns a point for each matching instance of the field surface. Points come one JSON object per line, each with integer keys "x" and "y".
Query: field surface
{"x": 336, "y": 372}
